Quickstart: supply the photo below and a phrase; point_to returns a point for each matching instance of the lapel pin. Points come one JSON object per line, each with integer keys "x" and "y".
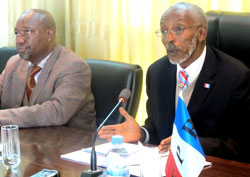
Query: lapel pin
{"x": 206, "y": 85}
{"x": 181, "y": 85}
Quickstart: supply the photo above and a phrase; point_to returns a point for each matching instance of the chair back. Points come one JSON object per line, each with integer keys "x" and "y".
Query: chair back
{"x": 230, "y": 33}
{"x": 109, "y": 78}
{"x": 5, "y": 54}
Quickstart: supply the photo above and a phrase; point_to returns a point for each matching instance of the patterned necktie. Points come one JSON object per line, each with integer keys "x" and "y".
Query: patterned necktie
{"x": 183, "y": 79}
{"x": 31, "y": 83}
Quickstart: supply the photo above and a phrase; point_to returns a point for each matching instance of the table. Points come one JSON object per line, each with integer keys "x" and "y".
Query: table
{"x": 42, "y": 147}
{"x": 225, "y": 168}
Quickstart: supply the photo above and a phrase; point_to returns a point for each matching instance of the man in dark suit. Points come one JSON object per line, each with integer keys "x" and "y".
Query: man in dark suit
{"x": 217, "y": 96}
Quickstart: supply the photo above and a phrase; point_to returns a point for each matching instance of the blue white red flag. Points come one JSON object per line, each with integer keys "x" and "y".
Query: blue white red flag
{"x": 186, "y": 157}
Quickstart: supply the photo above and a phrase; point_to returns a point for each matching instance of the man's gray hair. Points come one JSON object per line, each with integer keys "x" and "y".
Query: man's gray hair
{"x": 195, "y": 11}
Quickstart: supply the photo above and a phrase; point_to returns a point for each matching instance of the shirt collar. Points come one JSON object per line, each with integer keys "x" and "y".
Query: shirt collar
{"x": 42, "y": 63}
{"x": 194, "y": 69}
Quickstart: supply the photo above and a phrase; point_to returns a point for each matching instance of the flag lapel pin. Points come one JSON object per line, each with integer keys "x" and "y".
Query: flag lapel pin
{"x": 181, "y": 85}
{"x": 206, "y": 85}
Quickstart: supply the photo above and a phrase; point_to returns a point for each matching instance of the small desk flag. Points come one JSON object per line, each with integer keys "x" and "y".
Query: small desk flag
{"x": 186, "y": 157}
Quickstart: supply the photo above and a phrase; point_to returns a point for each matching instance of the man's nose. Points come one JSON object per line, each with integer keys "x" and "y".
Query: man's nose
{"x": 170, "y": 36}
{"x": 20, "y": 39}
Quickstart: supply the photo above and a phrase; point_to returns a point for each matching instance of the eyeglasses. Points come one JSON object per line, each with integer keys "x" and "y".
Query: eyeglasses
{"x": 178, "y": 30}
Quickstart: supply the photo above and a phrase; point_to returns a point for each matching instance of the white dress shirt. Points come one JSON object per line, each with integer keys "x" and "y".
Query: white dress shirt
{"x": 41, "y": 65}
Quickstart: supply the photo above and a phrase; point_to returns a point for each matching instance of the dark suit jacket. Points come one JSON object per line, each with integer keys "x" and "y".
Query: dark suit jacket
{"x": 220, "y": 114}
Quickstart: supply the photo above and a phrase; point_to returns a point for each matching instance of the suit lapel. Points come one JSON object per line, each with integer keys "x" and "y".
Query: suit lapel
{"x": 166, "y": 95}
{"x": 19, "y": 83}
{"x": 171, "y": 89}
{"x": 201, "y": 92}
{"x": 170, "y": 102}
{"x": 45, "y": 74}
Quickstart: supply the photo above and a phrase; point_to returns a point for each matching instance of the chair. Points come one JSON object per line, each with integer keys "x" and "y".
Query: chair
{"x": 5, "y": 54}
{"x": 230, "y": 33}
{"x": 108, "y": 80}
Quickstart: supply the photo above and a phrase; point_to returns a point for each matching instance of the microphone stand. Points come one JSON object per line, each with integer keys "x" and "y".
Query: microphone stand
{"x": 94, "y": 172}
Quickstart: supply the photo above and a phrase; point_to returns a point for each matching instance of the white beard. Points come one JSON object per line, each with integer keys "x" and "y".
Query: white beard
{"x": 191, "y": 50}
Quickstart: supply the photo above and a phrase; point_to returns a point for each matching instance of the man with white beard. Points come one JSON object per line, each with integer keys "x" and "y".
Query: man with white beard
{"x": 217, "y": 96}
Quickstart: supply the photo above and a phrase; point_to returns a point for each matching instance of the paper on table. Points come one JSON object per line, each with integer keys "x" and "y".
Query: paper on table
{"x": 135, "y": 153}
{"x": 83, "y": 155}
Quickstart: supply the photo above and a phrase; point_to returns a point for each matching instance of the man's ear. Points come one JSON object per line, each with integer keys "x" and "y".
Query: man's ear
{"x": 50, "y": 34}
{"x": 202, "y": 33}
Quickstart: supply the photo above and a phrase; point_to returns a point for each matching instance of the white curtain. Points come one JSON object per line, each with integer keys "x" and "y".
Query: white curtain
{"x": 121, "y": 30}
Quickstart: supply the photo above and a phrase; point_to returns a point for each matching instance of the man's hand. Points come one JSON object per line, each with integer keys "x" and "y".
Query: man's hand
{"x": 130, "y": 130}
{"x": 165, "y": 145}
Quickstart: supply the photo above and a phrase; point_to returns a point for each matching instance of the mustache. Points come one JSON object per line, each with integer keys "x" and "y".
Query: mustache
{"x": 22, "y": 46}
{"x": 172, "y": 47}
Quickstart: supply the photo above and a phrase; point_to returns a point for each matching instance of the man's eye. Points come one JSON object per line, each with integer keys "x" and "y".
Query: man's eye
{"x": 16, "y": 33}
{"x": 164, "y": 32}
{"x": 179, "y": 29}
{"x": 28, "y": 32}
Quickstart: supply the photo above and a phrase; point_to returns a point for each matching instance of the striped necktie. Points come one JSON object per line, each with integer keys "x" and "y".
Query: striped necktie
{"x": 183, "y": 79}
{"x": 31, "y": 83}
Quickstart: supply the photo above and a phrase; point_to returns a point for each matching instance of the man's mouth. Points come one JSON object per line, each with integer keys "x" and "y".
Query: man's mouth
{"x": 21, "y": 49}
{"x": 172, "y": 52}
{"x": 172, "y": 49}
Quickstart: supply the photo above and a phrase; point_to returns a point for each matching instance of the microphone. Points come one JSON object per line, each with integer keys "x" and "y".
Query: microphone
{"x": 93, "y": 172}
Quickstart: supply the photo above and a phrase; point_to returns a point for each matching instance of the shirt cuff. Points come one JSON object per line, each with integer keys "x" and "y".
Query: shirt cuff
{"x": 147, "y": 136}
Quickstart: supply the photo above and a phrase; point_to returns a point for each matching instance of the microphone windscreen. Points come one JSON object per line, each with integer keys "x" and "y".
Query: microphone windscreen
{"x": 124, "y": 95}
